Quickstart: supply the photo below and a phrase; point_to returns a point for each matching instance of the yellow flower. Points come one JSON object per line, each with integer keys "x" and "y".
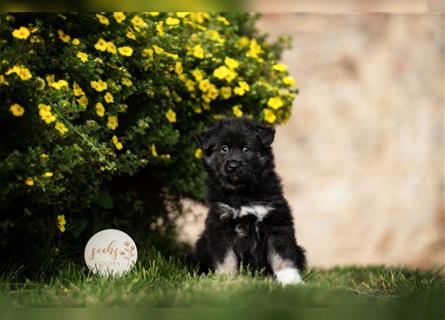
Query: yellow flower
{"x": 125, "y": 51}
{"x": 64, "y": 37}
{"x": 154, "y": 14}
{"x": 101, "y": 45}
{"x": 99, "y": 85}
{"x": 178, "y": 68}
{"x": 254, "y": 49}
{"x": 172, "y": 21}
{"x": 198, "y": 153}
{"x": 171, "y": 116}
{"x": 21, "y": 71}
{"x": 221, "y": 72}
{"x": 198, "y": 74}
{"x": 29, "y": 181}
{"x": 172, "y": 55}
{"x": 160, "y": 28}
{"x": 61, "y": 128}
{"x": 200, "y": 17}
{"x": 190, "y": 84}
{"x": 100, "y": 110}
{"x": 244, "y": 85}
{"x": 204, "y": 85}
{"x": 223, "y": 20}
{"x": 24, "y": 73}
{"x": 82, "y": 56}
{"x": 130, "y": 35}
{"x": 269, "y": 116}
{"x": 237, "y": 111}
{"x": 75, "y": 41}
{"x": 117, "y": 144}
{"x": 21, "y": 33}
{"x": 215, "y": 36}
{"x": 17, "y": 110}
{"x": 242, "y": 88}
{"x": 232, "y": 75}
{"x": 138, "y": 21}
{"x": 119, "y": 17}
{"x": 127, "y": 82}
{"x": 243, "y": 41}
{"x": 109, "y": 98}
{"x": 50, "y": 78}
{"x": 102, "y": 19}
{"x": 47, "y": 174}
{"x": 289, "y": 81}
{"x": 46, "y": 114}
{"x": 77, "y": 90}
{"x": 83, "y": 100}
{"x": 148, "y": 52}
{"x": 157, "y": 49}
{"x": 197, "y": 110}
{"x": 226, "y": 92}
{"x": 61, "y": 222}
{"x": 231, "y": 63}
{"x": 212, "y": 93}
{"x": 3, "y": 80}
{"x": 112, "y": 122}
{"x": 198, "y": 51}
{"x": 153, "y": 150}
{"x": 111, "y": 48}
{"x": 59, "y": 84}
{"x": 44, "y": 107}
{"x": 275, "y": 103}
{"x": 239, "y": 91}
{"x": 44, "y": 156}
{"x": 182, "y": 14}
{"x": 279, "y": 67}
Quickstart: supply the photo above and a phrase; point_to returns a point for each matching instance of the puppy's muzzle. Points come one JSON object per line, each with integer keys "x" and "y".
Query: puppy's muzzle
{"x": 233, "y": 166}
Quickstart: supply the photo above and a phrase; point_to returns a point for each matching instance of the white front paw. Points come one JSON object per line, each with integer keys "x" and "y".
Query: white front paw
{"x": 289, "y": 276}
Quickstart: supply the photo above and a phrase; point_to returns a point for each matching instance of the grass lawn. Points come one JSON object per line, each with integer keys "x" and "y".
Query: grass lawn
{"x": 158, "y": 282}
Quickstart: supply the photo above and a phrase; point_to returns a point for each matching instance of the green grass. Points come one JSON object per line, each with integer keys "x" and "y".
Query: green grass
{"x": 160, "y": 282}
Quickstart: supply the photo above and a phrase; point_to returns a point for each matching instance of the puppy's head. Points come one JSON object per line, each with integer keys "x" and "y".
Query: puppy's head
{"x": 237, "y": 152}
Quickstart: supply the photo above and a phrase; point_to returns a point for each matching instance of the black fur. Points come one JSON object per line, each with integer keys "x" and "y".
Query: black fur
{"x": 244, "y": 177}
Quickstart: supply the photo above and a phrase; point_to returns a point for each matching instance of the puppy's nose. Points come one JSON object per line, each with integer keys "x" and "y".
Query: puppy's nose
{"x": 232, "y": 165}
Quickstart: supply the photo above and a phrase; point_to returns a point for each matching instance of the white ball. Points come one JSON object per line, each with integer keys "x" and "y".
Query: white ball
{"x": 110, "y": 252}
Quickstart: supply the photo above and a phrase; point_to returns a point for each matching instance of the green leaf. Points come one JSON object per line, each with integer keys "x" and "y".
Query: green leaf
{"x": 104, "y": 200}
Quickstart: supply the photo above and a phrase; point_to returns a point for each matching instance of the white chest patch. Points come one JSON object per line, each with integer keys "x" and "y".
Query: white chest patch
{"x": 259, "y": 211}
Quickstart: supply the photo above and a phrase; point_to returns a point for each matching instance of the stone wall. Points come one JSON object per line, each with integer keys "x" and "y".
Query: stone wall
{"x": 362, "y": 157}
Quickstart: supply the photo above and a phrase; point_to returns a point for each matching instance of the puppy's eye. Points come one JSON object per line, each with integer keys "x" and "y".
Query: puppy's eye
{"x": 224, "y": 149}
{"x": 246, "y": 149}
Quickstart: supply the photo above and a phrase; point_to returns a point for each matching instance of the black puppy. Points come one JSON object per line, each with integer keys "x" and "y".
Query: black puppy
{"x": 249, "y": 221}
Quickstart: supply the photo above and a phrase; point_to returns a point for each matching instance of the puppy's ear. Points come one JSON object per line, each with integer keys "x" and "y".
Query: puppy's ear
{"x": 265, "y": 133}
{"x": 204, "y": 139}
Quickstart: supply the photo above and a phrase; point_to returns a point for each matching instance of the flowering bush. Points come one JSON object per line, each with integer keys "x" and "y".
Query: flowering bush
{"x": 99, "y": 112}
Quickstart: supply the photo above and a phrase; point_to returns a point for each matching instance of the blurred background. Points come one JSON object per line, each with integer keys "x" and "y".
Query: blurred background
{"x": 340, "y": 6}
{"x": 362, "y": 157}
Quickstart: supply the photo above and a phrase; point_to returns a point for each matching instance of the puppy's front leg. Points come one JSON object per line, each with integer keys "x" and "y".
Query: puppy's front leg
{"x": 282, "y": 261}
{"x": 228, "y": 264}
